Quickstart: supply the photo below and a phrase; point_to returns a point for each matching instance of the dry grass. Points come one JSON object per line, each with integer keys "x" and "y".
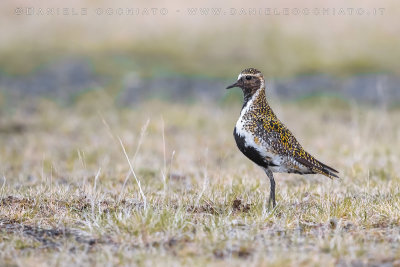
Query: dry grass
{"x": 68, "y": 197}
{"x": 164, "y": 184}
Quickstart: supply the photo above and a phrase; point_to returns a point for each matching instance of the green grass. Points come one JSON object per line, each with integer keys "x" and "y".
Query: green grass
{"x": 67, "y": 196}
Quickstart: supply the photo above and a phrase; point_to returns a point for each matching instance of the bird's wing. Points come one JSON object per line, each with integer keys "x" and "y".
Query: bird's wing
{"x": 282, "y": 141}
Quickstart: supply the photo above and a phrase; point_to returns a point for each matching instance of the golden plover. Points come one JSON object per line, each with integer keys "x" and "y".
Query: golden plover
{"x": 263, "y": 138}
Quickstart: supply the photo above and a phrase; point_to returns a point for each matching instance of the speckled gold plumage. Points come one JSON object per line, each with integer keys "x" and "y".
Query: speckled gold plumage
{"x": 265, "y": 140}
{"x": 263, "y": 123}
{"x": 251, "y": 71}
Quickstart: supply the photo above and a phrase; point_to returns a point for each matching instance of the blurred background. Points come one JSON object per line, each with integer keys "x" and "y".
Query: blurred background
{"x": 189, "y": 51}
{"x": 87, "y": 87}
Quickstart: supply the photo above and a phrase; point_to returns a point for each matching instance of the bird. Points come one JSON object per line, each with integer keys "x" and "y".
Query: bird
{"x": 265, "y": 140}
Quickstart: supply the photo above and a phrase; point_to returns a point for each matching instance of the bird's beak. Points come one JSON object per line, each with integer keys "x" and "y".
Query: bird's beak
{"x": 239, "y": 83}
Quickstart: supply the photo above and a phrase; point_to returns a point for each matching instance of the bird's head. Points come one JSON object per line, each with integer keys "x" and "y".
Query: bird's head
{"x": 250, "y": 80}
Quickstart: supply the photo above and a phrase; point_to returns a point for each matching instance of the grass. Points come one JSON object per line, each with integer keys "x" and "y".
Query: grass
{"x": 68, "y": 196}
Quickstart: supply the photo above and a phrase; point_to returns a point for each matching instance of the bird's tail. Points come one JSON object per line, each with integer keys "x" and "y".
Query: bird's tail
{"x": 327, "y": 171}
{"x": 316, "y": 166}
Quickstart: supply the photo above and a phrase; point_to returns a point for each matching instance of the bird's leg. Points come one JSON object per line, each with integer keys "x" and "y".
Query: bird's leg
{"x": 272, "y": 192}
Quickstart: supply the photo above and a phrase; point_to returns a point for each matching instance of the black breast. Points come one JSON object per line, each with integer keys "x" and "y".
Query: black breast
{"x": 249, "y": 151}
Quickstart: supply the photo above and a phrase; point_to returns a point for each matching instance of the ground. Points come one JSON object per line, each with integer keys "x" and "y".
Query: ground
{"x": 68, "y": 195}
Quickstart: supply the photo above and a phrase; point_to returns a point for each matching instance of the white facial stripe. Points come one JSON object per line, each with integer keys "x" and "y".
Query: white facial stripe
{"x": 257, "y": 75}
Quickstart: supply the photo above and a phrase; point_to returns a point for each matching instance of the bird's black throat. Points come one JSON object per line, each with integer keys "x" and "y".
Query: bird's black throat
{"x": 246, "y": 97}
{"x": 249, "y": 89}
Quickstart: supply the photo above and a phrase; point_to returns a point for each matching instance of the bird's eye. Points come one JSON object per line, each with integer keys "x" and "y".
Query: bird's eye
{"x": 248, "y": 77}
